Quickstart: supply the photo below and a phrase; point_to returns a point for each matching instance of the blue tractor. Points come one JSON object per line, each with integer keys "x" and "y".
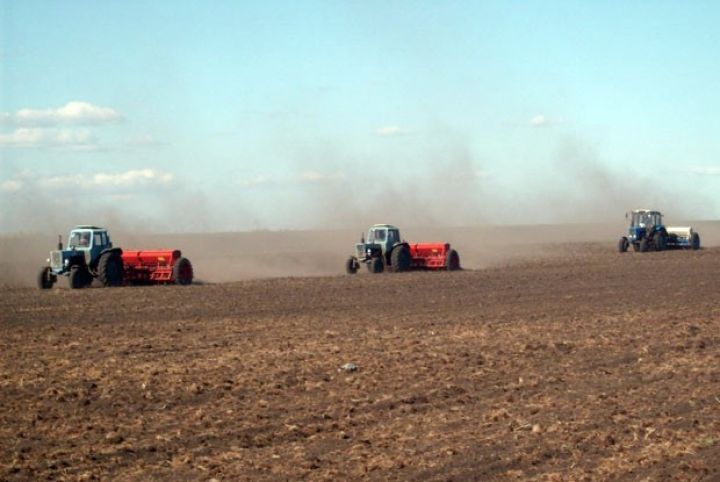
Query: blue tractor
{"x": 647, "y": 232}
{"x": 383, "y": 247}
{"x": 89, "y": 255}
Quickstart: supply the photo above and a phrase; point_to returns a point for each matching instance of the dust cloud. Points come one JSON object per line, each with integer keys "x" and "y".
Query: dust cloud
{"x": 455, "y": 199}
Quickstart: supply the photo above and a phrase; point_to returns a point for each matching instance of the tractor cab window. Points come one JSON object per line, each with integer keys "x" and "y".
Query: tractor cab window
{"x": 642, "y": 220}
{"x": 100, "y": 239}
{"x": 393, "y": 236}
{"x": 79, "y": 239}
{"x": 377, "y": 235}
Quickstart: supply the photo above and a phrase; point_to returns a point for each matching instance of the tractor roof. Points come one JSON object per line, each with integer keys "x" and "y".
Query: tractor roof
{"x": 648, "y": 211}
{"x": 387, "y": 226}
{"x": 87, "y": 226}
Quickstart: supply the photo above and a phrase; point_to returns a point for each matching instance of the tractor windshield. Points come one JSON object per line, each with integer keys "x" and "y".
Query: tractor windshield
{"x": 377, "y": 235}
{"x": 79, "y": 239}
{"x": 646, "y": 219}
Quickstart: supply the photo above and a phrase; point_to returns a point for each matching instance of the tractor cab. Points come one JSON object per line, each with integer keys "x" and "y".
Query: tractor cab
{"x": 85, "y": 245}
{"x": 380, "y": 239}
{"x": 645, "y": 219}
{"x": 643, "y": 224}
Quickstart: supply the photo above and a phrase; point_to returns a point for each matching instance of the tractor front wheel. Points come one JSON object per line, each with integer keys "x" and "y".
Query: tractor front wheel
{"x": 400, "y": 258}
{"x": 183, "y": 271}
{"x": 644, "y": 245}
{"x": 351, "y": 265}
{"x": 452, "y": 260}
{"x": 79, "y": 277}
{"x": 45, "y": 279}
{"x": 623, "y": 245}
{"x": 375, "y": 265}
{"x": 110, "y": 269}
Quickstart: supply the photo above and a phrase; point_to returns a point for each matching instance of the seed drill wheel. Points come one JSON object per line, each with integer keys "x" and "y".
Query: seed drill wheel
{"x": 400, "y": 258}
{"x": 351, "y": 265}
{"x": 695, "y": 241}
{"x": 45, "y": 281}
{"x": 452, "y": 260}
{"x": 183, "y": 271}
{"x": 623, "y": 245}
{"x": 110, "y": 269}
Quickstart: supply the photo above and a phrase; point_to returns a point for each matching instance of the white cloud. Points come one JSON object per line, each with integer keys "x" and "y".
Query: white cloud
{"x": 41, "y": 137}
{"x": 321, "y": 177}
{"x": 388, "y": 131}
{"x": 256, "y": 180}
{"x": 539, "y": 121}
{"x": 74, "y": 112}
{"x": 122, "y": 180}
{"x": 143, "y": 141}
{"x": 704, "y": 171}
{"x": 11, "y": 185}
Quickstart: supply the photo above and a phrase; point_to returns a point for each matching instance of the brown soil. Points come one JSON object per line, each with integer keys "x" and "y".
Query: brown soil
{"x": 589, "y": 365}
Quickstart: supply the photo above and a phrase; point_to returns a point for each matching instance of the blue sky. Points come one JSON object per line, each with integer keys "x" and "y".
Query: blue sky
{"x": 188, "y": 116}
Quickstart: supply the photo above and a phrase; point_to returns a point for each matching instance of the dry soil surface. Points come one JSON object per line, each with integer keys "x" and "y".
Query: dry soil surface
{"x": 587, "y": 365}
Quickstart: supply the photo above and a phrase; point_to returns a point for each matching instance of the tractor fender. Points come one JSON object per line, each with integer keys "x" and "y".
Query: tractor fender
{"x": 399, "y": 243}
{"x": 93, "y": 265}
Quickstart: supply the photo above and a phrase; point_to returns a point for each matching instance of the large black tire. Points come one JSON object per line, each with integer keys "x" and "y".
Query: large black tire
{"x": 351, "y": 265}
{"x": 644, "y": 245}
{"x": 78, "y": 277}
{"x": 183, "y": 271}
{"x": 110, "y": 269}
{"x": 400, "y": 258}
{"x": 695, "y": 241}
{"x": 660, "y": 241}
{"x": 376, "y": 265}
{"x": 623, "y": 245}
{"x": 452, "y": 260}
{"x": 45, "y": 280}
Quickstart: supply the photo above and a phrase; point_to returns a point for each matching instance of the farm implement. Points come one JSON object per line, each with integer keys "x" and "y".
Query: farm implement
{"x": 90, "y": 255}
{"x": 384, "y": 250}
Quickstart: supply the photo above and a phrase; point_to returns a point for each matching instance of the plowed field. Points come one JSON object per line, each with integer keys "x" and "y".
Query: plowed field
{"x": 588, "y": 365}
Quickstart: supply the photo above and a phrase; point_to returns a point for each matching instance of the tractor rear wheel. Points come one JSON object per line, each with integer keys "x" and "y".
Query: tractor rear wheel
{"x": 623, "y": 245}
{"x": 351, "y": 266}
{"x": 660, "y": 242}
{"x": 183, "y": 271}
{"x": 45, "y": 280}
{"x": 376, "y": 265}
{"x": 78, "y": 278}
{"x": 695, "y": 241}
{"x": 400, "y": 259}
{"x": 110, "y": 269}
{"x": 452, "y": 260}
{"x": 644, "y": 245}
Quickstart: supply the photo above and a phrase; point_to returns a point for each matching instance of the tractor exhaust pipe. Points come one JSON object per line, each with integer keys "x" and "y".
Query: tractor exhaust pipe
{"x": 60, "y": 246}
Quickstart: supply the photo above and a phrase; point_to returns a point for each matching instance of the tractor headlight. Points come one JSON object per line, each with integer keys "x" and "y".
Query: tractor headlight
{"x": 47, "y": 261}
{"x": 67, "y": 263}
